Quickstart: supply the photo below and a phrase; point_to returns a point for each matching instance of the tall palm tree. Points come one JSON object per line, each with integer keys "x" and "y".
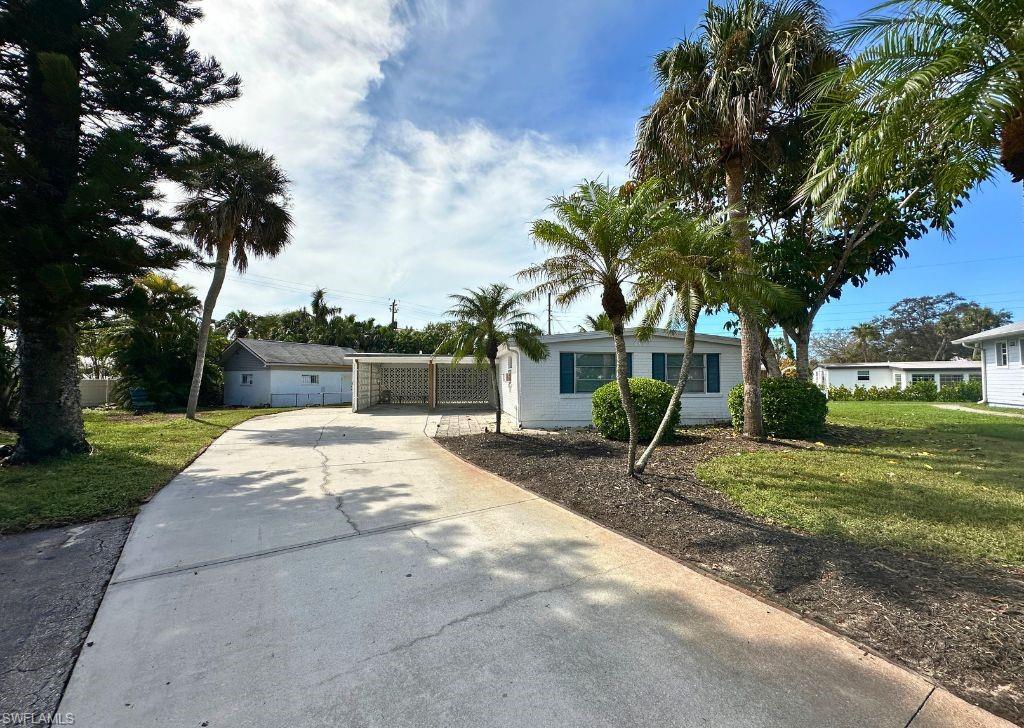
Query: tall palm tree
{"x": 321, "y": 312}
{"x": 941, "y": 80}
{"x": 237, "y": 208}
{"x": 728, "y": 96}
{"x": 693, "y": 268}
{"x": 484, "y": 319}
{"x": 865, "y": 335}
{"x": 598, "y": 240}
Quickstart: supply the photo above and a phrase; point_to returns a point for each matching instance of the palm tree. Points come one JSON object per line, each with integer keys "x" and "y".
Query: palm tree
{"x": 941, "y": 80}
{"x": 237, "y": 207}
{"x": 321, "y": 313}
{"x": 484, "y": 319}
{"x": 598, "y": 239}
{"x": 601, "y": 322}
{"x": 240, "y": 324}
{"x": 728, "y": 96}
{"x": 694, "y": 268}
{"x": 865, "y": 335}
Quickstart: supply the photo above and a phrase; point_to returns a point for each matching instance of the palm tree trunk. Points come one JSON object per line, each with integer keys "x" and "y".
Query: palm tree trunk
{"x": 219, "y": 271}
{"x": 497, "y": 395}
{"x": 622, "y": 379}
{"x": 688, "y": 342}
{"x": 750, "y": 328}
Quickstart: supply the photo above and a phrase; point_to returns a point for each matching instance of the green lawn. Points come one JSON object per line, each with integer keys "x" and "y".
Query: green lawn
{"x": 907, "y": 476}
{"x": 134, "y": 456}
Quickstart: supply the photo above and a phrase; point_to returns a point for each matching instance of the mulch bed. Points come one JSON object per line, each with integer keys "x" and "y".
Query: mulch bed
{"x": 961, "y": 624}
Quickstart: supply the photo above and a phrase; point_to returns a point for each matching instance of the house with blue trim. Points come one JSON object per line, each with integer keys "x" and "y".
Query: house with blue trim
{"x": 556, "y": 392}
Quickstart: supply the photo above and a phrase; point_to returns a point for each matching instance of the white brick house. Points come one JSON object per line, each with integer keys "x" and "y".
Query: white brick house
{"x": 556, "y": 392}
{"x": 1002, "y": 372}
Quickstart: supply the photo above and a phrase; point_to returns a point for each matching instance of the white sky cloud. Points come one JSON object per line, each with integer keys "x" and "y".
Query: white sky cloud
{"x": 383, "y": 208}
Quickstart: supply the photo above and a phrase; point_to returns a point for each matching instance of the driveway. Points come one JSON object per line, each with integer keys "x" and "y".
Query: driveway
{"x": 322, "y": 568}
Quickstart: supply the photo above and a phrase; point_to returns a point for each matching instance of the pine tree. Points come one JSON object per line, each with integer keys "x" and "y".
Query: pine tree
{"x": 98, "y": 101}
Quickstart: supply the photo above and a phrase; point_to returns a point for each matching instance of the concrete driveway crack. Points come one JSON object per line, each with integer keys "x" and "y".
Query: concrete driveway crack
{"x": 325, "y": 476}
{"x": 503, "y": 604}
{"x": 430, "y": 546}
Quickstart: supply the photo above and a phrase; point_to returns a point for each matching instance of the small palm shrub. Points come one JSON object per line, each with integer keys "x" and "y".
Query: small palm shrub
{"x": 791, "y": 407}
{"x": 651, "y": 399}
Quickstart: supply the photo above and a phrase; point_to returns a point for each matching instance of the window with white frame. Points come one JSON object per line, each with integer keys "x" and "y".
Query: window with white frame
{"x": 1002, "y": 354}
{"x": 922, "y": 377}
{"x": 594, "y": 370}
{"x": 863, "y": 375}
{"x": 974, "y": 377}
{"x": 696, "y": 382}
{"x": 247, "y": 379}
{"x": 311, "y": 379}
{"x": 899, "y": 379}
{"x": 950, "y": 380}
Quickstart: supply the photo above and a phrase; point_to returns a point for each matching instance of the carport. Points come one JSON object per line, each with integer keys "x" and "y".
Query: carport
{"x": 418, "y": 380}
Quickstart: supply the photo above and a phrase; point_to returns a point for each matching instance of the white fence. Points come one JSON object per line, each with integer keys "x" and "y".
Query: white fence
{"x": 96, "y": 392}
{"x": 305, "y": 399}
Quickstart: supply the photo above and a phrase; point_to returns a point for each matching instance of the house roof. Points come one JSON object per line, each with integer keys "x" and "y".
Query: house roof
{"x": 999, "y": 331}
{"x": 931, "y": 365}
{"x": 406, "y": 358}
{"x": 667, "y": 333}
{"x": 294, "y": 353}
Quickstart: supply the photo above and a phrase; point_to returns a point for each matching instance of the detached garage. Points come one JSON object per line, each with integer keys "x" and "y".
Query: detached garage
{"x": 423, "y": 380}
{"x": 286, "y": 374}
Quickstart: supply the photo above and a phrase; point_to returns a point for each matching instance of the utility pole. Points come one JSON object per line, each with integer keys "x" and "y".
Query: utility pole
{"x": 394, "y": 312}
{"x": 549, "y": 314}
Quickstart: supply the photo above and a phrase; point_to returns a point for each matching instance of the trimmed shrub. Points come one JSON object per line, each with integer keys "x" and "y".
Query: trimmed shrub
{"x": 651, "y": 398}
{"x": 961, "y": 392}
{"x": 791, "y": 407}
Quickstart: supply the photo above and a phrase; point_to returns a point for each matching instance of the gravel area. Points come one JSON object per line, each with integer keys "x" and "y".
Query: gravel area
{"x": 961, "y": 624}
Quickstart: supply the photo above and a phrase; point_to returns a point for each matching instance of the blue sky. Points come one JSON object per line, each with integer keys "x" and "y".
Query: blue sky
{"x": 423, "y": 137}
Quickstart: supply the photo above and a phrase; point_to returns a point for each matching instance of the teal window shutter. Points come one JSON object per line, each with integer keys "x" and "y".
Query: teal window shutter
{"x": 658, "y": 367}
{"x": 629, "y": 364}
{"x": 714, "y": 379}
{"x": 567, "y": 364}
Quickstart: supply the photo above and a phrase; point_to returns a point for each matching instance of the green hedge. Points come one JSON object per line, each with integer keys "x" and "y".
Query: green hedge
{"x": 651, "y": 399}
{"x": 790, "y": 407}
{"x": 916, "y": 392}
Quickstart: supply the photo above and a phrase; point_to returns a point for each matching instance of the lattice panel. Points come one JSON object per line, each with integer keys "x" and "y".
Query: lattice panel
{"x": 404, "y": 385}
{"x": 463, "y": 385}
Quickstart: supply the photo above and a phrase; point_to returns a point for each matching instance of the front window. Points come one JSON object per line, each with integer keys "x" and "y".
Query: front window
{"x": 1002, "y": 356}
{"x": 593, "y": 371}
{"x": 696, "y": 383}
{"x": 311, "y": 379}
{"x": 863, "y": 375}
{"x": 247, "y": 379}
{"x": 922, "y": 377}
{"x": 950, "y": 380}
{"x": 975, "y": 377}
{"x": 899, "y": 379}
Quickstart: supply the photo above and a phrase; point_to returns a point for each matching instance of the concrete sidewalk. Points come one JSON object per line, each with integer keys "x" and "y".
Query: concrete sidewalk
{"x": 322, "y": 568}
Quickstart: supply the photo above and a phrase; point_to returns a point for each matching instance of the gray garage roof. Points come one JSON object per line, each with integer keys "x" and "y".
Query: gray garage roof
{"x": 293, "y": 353}
{"x": 941, "y": 364}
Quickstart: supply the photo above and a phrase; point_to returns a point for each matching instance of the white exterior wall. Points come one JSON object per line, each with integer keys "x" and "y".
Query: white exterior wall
{"x": 256, "y": 394}
{"x": 509, "y": 385}
{"x": 842, "y": 377}
{"x": 540, "y": 405}
{"x": 287, "y": 389}
{"x": 1004, "y": 385}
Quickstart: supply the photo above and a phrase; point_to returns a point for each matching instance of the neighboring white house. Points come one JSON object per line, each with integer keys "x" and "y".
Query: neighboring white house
{"x": 896, "y": 373}
{"x": 1002, "y": 370}
{"x": 286, "y": 374}
{"x": 556, "y": 392}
